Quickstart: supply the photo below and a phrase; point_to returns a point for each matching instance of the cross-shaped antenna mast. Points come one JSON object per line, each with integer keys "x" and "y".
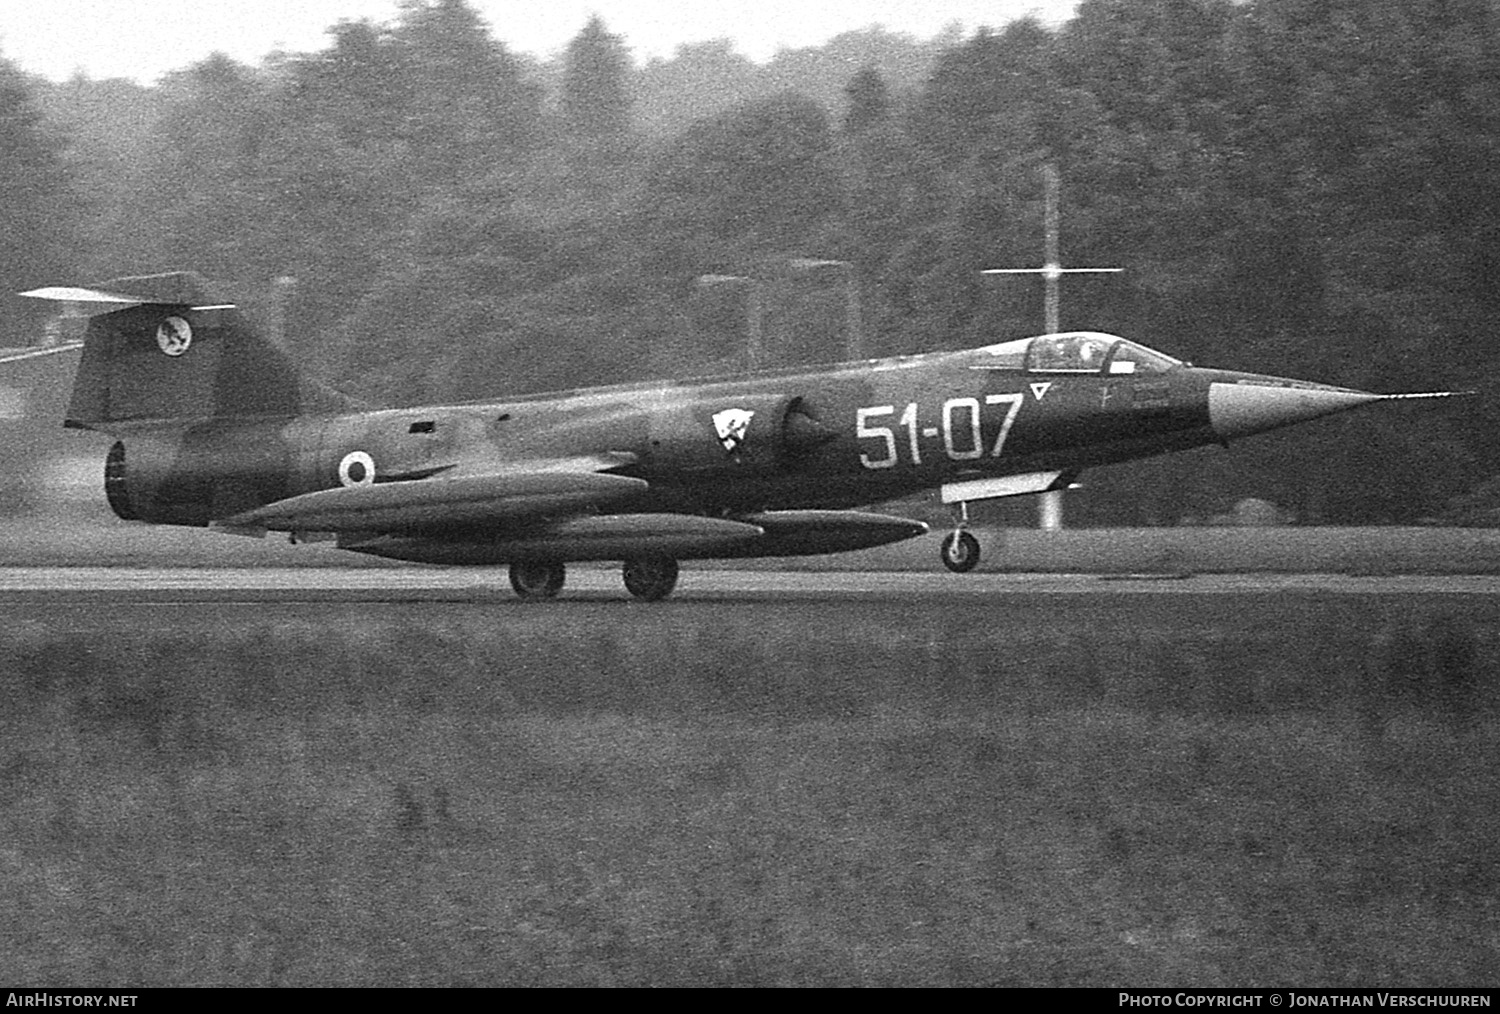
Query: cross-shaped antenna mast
{"x": 1052, "y": 270}
{"x": 1050, "y": 508}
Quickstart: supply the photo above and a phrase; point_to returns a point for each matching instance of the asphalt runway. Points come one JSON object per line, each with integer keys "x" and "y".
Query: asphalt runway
{"x": 600, "y": 583}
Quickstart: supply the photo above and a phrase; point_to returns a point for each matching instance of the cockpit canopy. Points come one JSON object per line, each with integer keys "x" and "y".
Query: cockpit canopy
{"x": 1073, "y": 352}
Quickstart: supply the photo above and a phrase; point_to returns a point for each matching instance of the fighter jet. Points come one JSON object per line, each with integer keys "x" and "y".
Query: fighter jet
{"x": 218, "y": 427}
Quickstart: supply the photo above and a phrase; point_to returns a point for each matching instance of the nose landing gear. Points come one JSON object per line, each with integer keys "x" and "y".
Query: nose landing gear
{"x": 960, "y": 550}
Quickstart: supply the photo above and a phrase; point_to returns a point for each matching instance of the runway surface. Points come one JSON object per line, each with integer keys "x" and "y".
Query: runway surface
{"x": 595, "y": 583}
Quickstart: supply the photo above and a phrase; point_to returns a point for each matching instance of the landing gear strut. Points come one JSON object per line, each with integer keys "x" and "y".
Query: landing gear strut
{"x": 537, "y": 580}
{"x": 960, "y": 550}
{"x": 650, "y": 578}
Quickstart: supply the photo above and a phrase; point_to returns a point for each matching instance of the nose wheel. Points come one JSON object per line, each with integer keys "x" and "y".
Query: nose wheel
{"x": 960, "y": 550}
{"x": 650, "y": 578}
{"x": 537, "y": 580}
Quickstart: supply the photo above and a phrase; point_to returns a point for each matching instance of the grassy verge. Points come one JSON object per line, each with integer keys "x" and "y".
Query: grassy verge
{"x": 437, "y": 802}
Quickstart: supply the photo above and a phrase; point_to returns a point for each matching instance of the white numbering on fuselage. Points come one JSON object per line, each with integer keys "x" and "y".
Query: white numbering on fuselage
{"x": 962, "y": 430}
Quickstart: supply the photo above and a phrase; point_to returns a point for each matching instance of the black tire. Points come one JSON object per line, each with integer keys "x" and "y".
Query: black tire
{"x": 960, "y": 552}
{"x": 650, "y": 578}
{"x": 537, "y": 580}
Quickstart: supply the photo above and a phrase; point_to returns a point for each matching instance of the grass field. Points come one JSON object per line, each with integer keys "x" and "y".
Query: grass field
{"x": 1133, "y": 791}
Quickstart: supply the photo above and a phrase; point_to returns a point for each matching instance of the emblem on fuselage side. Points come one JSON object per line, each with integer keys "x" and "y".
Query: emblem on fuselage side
{"x": 731, "y": 426}
{"x": 174, "y": 335}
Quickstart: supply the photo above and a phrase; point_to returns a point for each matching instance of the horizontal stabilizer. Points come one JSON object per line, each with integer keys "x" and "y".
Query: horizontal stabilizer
{"x": 91, "y": 302}
{"x": 441, "y": 502}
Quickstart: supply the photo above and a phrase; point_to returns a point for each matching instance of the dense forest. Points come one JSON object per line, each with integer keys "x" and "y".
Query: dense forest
{"x": 1302, "y": 187}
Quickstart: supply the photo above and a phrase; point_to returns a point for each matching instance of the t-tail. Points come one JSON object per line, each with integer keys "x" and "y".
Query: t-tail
{"x": 163, "y": 349}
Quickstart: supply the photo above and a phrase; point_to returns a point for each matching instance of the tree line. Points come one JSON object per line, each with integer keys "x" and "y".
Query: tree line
{"x": 1301, "y": 187}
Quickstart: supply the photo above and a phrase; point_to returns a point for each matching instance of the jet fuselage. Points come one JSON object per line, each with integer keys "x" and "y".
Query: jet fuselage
{"x": 830, "y": 438}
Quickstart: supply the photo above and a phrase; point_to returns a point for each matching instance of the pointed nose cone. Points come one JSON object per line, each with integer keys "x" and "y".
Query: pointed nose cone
{"x": 1256, "y": 404}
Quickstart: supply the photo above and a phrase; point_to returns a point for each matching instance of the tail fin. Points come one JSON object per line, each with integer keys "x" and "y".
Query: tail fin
{"x": 161, "y": 348}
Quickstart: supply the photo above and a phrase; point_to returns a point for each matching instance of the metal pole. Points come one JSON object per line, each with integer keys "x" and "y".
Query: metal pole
{"x": 1049, "y": 506}
{"x": 283, "y": 289}
{"x": 1051, "y": 267}
{"x": 856, "y": 343}
{"x": 753, "y": 311}
{"x": 852, "y": 339}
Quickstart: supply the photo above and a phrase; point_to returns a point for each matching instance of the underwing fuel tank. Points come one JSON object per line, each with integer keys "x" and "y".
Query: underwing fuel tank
{"x": 599, "y": 537}
{"x": 809, "y": 532}
{"x": 616, "y": 536}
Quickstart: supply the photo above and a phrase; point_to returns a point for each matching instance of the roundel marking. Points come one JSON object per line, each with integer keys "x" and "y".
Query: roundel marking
{"x": 174, "y": 335}
{"x": 357, "y": 469}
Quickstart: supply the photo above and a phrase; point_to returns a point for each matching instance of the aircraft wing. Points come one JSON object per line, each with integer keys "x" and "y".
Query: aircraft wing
{"x": 542, "y": 489}
{"x": 46, "y": 350}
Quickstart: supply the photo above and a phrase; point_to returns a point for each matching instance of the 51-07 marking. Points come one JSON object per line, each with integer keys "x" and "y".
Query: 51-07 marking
{"x": 961, "y": 431}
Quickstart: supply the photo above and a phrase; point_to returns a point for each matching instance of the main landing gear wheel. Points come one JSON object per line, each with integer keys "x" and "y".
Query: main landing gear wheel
{"x": 533, "y": 580}
{"x": 651, "y": 578}
{"x": 960, "y": 552}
